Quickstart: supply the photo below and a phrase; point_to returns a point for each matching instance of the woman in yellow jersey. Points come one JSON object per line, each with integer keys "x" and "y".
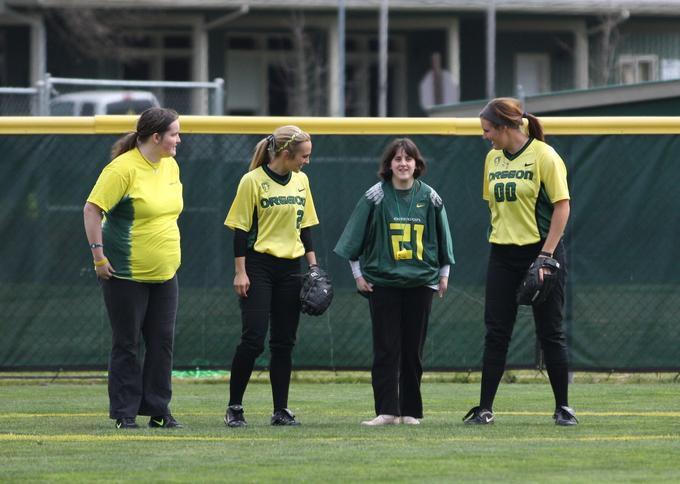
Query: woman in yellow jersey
{"x": 271, "y": 216}
{"x": 136, "y": 254}
{"x": 525, "y": 184}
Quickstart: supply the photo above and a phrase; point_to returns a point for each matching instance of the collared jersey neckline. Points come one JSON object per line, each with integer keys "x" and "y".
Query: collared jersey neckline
{"x": 512, "y": 156}
{"x": 280, "y": 179}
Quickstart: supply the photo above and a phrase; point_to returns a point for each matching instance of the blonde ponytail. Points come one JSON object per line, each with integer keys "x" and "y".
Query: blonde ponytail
{"x": 284, "y": 138}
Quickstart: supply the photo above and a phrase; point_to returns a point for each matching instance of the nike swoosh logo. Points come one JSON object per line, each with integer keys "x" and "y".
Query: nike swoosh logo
{"x": 487, "y": 419}
{"x": 158, "y": 422}
{"x": 420, "y": 205}
{"x": 301, "y": 189}
{"x": 528, "y": 164}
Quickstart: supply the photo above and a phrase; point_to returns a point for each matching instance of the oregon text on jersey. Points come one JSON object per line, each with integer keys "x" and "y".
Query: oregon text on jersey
{"x": 282, "y": 200}
{"x": 506, "y": 174}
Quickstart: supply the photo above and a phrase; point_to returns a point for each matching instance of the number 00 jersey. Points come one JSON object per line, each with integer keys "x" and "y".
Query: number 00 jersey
{"x": 273, "y": 212}
{"x": 521, "y": 190}
{"x": 401, "y": 237}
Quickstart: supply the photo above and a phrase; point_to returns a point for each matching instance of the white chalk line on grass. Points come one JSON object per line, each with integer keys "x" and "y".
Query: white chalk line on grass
{"x": 213, "y": 414}
{"x": 374, "y": 438}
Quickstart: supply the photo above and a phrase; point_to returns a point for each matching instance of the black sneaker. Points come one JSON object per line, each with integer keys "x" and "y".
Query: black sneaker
{"x": 234, "y": 416}
{"x": 284, "y": 417}
{"x": 565, "y": 416}
{"x": 126, "y": 423}
{"x": 164, "y": 422}
{"x": 479, "y": 416}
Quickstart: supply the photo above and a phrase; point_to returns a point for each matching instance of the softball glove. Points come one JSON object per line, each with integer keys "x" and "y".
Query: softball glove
{"x": 317, "y": 292}
{"x": 532, "y": 291}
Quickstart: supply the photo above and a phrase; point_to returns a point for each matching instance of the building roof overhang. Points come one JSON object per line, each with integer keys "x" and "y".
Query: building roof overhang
{"x": 573, "y": 100}
{"x": 573, "y": 7}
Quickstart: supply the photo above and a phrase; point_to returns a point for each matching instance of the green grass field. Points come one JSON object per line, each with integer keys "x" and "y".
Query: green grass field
{"x": 59, "y": 431}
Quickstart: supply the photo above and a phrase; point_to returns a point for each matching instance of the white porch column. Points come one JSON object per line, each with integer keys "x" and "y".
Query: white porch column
{"x": 453, "y": 58}
{"x": 38, "y": 50}
{"x": 581, "y": 60}
{"x": 333, "y": 72}
{"x": 199, "y": 67}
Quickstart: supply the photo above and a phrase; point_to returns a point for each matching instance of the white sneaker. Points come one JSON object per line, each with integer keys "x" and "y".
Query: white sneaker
{"x": 410, "y": 421}
{"x": 382, "y": 420}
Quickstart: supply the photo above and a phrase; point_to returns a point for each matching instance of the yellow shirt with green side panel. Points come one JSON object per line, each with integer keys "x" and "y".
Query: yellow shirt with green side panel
{"x": 521, "y": 190}
{"x": 142, "y": 202}
{"x": 273, "y": 211}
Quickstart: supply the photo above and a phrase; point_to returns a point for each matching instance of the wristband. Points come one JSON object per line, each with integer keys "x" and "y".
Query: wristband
{"x": 99, "y": 263}
{"x": 95, "y": 245}
{"x": 546, "y": 254}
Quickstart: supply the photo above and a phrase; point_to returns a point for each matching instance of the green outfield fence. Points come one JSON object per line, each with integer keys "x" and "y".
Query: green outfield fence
{"x": 623, "y": 308}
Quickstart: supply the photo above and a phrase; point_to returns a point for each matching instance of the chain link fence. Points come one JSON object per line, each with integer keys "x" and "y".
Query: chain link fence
{"x": 623, "y": 286}
{"x": 87, "y": 97}
{"x": 18, "y": 101}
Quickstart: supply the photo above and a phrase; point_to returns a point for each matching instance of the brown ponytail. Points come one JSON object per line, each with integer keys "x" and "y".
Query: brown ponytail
{"x": 535, "y": 127}
{"x": 124, "y": 144}
{"x": 507, "y": 111}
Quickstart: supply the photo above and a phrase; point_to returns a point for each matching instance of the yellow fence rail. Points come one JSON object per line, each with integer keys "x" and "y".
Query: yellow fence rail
{"x": 606, "y": 125}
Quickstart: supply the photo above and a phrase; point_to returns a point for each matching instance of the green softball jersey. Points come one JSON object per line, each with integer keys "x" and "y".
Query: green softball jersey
{"x": 401, "y": 237}
{"x": 521, "y": 190}
{"x": 141, "y": 202}
{"x": 273, "y": 212}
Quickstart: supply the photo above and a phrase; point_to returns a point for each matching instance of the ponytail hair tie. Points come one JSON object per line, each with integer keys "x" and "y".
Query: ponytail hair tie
{"x": 525, "y": 114}
{"x": 271, "y": 145}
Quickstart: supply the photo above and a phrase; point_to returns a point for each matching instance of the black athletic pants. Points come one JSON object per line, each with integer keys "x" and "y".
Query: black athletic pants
{"x": 507, "y": 266}
{"x": 399, "y": 318}
{"x": 140, "y": 310}
{"x": 274, "y": 296}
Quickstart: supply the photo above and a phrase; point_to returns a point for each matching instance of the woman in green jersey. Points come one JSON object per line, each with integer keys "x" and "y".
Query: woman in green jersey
{"x": 400, "y": 251}
{"x": 136, "y": 255}
{"x": 525, "y": 185}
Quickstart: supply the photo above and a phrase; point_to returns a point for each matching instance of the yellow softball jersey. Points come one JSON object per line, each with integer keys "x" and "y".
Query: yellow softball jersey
{"x": 142, "y": 202}
{"x": 273, "y": 212}
{"x": 521, "y": 190}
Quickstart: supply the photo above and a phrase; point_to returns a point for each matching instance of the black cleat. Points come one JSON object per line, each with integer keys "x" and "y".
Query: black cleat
{"x": 126, "y": 423}
{"x": 479, "y": 416}
{"x": 164, "y": 422}
{"x": 284, "y": 417}
{"x": 234, "y": 416}
{"x": 565, "y": 416}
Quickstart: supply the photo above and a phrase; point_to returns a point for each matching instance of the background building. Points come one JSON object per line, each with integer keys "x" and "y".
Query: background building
{"x": 281, "y": 57}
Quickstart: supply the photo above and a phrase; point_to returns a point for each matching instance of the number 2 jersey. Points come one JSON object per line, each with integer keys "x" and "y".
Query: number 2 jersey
{"x": 273, "y": 211}
{"x": 521, "y": 190}
{"x": 401, "y": 237}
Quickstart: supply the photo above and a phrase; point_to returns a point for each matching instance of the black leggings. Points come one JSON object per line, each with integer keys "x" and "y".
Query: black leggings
{"x": 148, "y": 310}
{"x": 507, "y": 266}
{"x": 274, "y": 296}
